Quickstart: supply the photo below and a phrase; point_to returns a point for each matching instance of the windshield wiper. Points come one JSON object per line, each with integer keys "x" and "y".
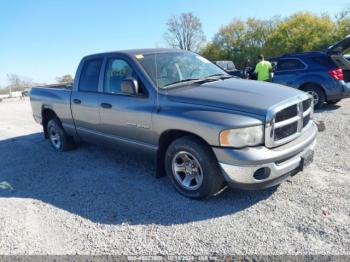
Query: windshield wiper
{"x": 197, "y": 80}
{"x": 214, "y": 78}
{"x": 181, "y": 81}
{"x": 221, "y": 76}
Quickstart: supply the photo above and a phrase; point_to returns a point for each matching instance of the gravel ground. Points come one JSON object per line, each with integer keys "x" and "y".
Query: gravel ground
{"x": 95, "y": 200}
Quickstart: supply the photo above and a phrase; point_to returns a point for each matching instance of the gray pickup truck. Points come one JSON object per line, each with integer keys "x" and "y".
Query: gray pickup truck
{"x": 204, "y": 128}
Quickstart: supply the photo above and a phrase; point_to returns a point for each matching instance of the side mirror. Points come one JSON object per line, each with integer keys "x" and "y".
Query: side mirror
{"x": 130, "y": 86}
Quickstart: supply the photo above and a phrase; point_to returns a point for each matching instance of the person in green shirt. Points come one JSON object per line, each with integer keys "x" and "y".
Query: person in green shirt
{"x": 263, "y": 69}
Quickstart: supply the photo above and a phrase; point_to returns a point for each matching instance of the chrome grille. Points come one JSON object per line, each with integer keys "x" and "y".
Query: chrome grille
{"x": 306, "y": 120}
{"x": 285, "y": 131}
{"x": 306, "y": 104}
{"x": 287, "y": 120}
{"x": 287, "y": 113}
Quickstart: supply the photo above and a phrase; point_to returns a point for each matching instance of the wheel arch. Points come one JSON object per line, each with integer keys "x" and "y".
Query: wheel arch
{"x": 47, "y": 114}
{"x": 313, "y": 84}
{"x": 165, "y": 139}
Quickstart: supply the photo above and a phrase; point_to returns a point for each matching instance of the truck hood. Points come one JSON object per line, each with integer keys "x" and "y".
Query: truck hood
{"x": 234, "y": 94}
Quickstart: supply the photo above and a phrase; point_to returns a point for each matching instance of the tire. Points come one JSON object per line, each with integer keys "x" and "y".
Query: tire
{"x": 59, "y": 139}
{"x": 318, "y": 95}
{"x": 333, "y": 102}
{"x": 189, "y": 157}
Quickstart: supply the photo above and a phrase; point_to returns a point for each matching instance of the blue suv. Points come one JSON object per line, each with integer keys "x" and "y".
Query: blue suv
{"x": 325, "y": 75}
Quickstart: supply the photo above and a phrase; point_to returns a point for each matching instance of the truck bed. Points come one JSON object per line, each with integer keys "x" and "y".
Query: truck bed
{"x": 57, "y": 86}
{"x": 54, "y": 97}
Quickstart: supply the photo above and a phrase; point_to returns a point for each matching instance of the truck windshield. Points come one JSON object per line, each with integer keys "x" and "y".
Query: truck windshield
{"x": 177, "y": 68}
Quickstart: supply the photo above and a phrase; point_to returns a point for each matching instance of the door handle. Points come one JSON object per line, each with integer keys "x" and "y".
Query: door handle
{"x": 76, "y": 101}
{"x": 106, "y": 105}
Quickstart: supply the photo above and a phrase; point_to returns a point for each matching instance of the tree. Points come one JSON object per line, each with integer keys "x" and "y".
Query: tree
{"x": 185, "y": 32}
{"x": 343, "y": 23}
{"x": 301, "y": 32}
{"x": 240, "y": 41}
{"x": 18, "y": 83}
{"x": 65, "y": 79}
{"x": 13, "y": 80}
{"x": 212, "y": 52}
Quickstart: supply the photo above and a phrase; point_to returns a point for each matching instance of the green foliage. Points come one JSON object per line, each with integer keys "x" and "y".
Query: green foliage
{"x": 212, "y": 52}
{"x": 242, "y": 41}
{"x": 301, "y": 32}
{"x": 65, "y": 79}
{"x": 343, "y": 23}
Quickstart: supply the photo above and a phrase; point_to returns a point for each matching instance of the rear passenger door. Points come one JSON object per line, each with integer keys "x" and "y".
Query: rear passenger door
{"x": 288, "y": 70}
{"x": 85, "y": 99}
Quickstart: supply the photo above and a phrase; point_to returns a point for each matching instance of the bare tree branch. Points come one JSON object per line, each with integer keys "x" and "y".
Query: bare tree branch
{"x": 185, "y": 32}
{"x": 19, "y": 83}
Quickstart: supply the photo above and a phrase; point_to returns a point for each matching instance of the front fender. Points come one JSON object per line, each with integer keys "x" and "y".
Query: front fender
{"x": 205, "y": 122}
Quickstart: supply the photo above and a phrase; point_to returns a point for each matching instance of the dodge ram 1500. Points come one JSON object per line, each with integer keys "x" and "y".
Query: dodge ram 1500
{"x": 205, "y": 128}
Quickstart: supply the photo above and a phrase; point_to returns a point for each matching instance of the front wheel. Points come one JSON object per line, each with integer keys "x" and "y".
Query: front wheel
{"x": 192, "y": 168}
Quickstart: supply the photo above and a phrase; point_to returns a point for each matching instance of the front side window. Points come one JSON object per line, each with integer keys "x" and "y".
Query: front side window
{"x": 174, "y": 68}
{"x": 117, "y": 71}
{"x": 289, "y": 64}
{"x": 90, "y": 75}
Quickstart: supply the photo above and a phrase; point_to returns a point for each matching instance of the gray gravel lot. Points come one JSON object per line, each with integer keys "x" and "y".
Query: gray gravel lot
{"x": 95, "y": 200}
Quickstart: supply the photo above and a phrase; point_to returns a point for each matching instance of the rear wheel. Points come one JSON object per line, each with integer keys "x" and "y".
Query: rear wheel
{"x": 59, "y": 140}
{"x": 317, "y": 94}
{"x": 193, "y": 168}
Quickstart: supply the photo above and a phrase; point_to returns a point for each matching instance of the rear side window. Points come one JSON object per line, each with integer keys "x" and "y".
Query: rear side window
{"x": 289, "y": 64}
{"x": 324, "y": 61}
{"x": 90, "y": 75}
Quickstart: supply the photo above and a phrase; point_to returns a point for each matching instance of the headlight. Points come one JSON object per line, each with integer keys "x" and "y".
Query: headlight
{"x": 241, "y": 137}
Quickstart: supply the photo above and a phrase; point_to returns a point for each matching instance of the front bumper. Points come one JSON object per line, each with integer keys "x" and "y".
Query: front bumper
{"x": 261, "y": 167}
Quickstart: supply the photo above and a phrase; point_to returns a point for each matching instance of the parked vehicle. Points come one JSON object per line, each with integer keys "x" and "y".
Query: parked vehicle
{"x": 229, "y": 67}
{"x": 204, "y": 127}
{"x": 325, "y": 75}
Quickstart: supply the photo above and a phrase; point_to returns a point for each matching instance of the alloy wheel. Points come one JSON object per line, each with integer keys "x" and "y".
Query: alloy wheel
{"x": 315, "y": 96}
{"x": 187, "y": 170}
{"x": 55, "y": 138}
